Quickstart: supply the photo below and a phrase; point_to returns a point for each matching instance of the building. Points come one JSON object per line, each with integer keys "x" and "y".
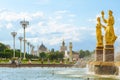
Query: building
{"x": 75, "y": 55}
{"x": 63, "y": 48}
{"x": 42, "y": 48}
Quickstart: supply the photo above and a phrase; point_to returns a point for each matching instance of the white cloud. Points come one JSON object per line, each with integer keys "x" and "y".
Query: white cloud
{"x": 94, "y": 20}
{"x": 51, "y": 30}
{"x": 61, "y": 12}
{"x": 67, "y": 32}
{"x": 7, "y": 16}
{"x": 9, "y": 26}
{"x": 42, "y": 2}
{"x": 71, "y": 20}
{"x": 3, "y": 9}
{"x": 71, "y": 15}
{"x": 13, "y": 16}
{"x": 40, "y": 23}
{"x": 10, "y": 18}
{"x": 59, "y": 17}
{"x": 38, "y": 15}
{"x": 33, "y": 40}
{"x": 55, "y": 40}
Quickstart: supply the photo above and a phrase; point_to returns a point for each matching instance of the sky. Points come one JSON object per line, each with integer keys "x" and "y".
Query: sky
{"x": 52, "y": 21}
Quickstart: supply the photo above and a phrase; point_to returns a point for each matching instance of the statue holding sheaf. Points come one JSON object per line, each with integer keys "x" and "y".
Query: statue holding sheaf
{"x": 110, "y": 36}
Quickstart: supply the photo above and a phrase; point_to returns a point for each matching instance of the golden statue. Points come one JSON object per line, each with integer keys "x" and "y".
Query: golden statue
{"x": 110, "y": 36}
{"x": 99, "y": 33}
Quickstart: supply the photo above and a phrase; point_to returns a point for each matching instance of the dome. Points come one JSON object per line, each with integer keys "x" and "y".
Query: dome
{"x": 42, "y": 47}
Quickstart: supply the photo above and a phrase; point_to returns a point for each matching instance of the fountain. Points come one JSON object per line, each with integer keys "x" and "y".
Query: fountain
{"x": 99, "y": 69}
{"x": 104, "y": 60}
{"x": 80, "y": 64}
{"x": 45, "y": 73}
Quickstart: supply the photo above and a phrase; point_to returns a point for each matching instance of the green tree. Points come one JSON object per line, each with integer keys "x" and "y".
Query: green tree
{"x": 52, "y": 56}
{"x": 85, "y": 53}
{"x": 52, "y": 50}
{"x": 81, "y": 53}
{"x": 2, "y": 47}
{"x": 60, "y": 56}
{"x": 56, "y": 55}
{"x": 42, "y": 55}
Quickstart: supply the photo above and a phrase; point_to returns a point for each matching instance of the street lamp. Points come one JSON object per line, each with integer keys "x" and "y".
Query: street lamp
{"x": 70, "y": 54}
{"x": 31, "y": 49}
{"x": 14, "y": 34}
{"x": 28, "y": 43}
{"x": 24, "y": 25}
{"x": 20, "y": 38}
{"x": 25, "y": 48}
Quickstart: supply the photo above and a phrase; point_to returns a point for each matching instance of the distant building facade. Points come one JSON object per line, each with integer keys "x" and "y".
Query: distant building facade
{"x": 42, "y": 48}
{"x": 63, "y": 48}
{"x": 74, "y": 56}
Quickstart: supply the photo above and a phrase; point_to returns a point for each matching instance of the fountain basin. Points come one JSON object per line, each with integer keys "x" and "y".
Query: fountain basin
{"x": 49, "y": 73}
{"x": 104, "y": 68}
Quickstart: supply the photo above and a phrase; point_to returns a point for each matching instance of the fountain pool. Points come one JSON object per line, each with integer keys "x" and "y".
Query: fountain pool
{"x": 45, "y": 73}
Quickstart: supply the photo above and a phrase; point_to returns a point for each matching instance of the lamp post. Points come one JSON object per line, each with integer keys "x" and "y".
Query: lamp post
{"x": 28, "y": 43}
{"x": 31, "y": 49}
{"x": 20, "y": 38}
{"x": 14, "y": 34}
{"x": 24, "y": 25}
{"x": 70, "y": 54}
{"x": 25, "y": 48}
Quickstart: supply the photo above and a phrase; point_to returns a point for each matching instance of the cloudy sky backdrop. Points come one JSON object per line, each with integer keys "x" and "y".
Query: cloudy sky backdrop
{"x": 51, "y": 21}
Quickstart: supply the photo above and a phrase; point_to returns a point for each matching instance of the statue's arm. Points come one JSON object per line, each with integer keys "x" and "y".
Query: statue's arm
{"x": 105, "y": 21}
{"x": 103, "y": 27}
{"x": 102, "y": 13}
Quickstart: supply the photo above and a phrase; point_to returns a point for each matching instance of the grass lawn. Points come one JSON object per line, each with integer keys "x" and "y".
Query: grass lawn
{"x": 34, "y": 62}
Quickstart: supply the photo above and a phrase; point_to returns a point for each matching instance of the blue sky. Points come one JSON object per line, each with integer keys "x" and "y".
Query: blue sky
{"x": 51, "y": 21}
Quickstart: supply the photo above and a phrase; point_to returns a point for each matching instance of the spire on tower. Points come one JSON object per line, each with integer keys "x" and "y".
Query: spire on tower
{"x": 63, "y": 43}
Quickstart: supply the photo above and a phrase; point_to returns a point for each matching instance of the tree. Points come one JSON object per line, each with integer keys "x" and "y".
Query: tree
{"x": 85, "y": 53}
{"x": 60, "y": 56}
{"x": 52, "y": 50}
{"x": 42, "y": 55}
{"x": 56, "y": 55}
{"x": 5, "y": 52}
{"x": 2, "y": 47}
{"x": 52, "y": 56}
{"x": 81, "y": 53}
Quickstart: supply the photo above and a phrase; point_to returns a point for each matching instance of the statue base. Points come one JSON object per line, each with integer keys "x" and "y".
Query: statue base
{"x": 108, "y": 53}
{"x": 106, "y": 68}
{"x": 99, "y": 53}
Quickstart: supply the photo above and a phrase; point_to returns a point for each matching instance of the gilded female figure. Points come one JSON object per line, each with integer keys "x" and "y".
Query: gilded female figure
{"x": 99, "y": 33}
{"x": 110, "y": 36}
